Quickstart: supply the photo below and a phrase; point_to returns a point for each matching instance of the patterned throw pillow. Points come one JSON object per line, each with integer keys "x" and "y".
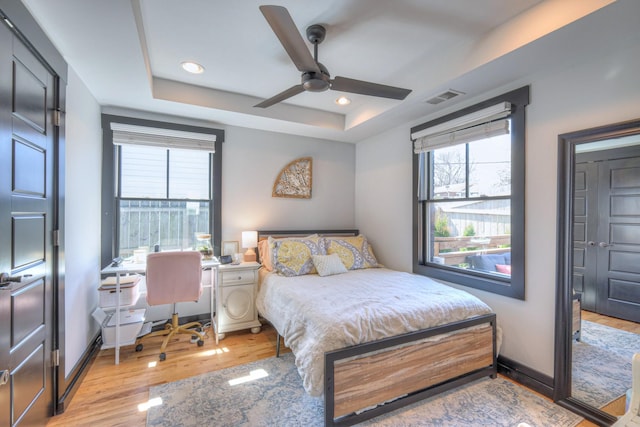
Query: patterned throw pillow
{"x": 328, "y": 265}
{"x": 265, "y": 249}
{"x": 355, "y": 252}
{"x": 292, "y": 257}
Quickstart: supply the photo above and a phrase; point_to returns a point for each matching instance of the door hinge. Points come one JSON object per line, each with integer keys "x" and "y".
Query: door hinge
{"x": 56, "y": 237}
{"x": 55, "y": 357}
{"x": 57, "y": 117}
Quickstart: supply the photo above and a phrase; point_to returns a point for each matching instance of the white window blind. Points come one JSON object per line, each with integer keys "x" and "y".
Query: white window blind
{"x": 126, "y": 134}
{"x": 149, "y": 173}
{"x": 480, "y": 124}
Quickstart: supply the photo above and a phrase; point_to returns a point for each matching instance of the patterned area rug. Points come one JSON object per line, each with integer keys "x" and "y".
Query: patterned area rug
{"x": 602, "y": 363}
{"x": 270, "y": 393}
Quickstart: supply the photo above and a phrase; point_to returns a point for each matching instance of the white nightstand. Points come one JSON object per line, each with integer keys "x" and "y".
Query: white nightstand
{"x": 236, "y": 290}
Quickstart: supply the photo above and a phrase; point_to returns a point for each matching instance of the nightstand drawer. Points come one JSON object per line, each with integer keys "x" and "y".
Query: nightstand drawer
{"x": 238, "y": 277}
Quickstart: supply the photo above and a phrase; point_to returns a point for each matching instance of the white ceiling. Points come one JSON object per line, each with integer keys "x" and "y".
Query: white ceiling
{"x": 128, "y": 53}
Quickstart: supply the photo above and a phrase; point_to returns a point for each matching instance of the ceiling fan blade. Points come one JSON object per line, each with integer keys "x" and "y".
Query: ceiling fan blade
{"x": 292, "y": 91}
{"x": 366, "y": 88}
{"x": 287, "y": 32}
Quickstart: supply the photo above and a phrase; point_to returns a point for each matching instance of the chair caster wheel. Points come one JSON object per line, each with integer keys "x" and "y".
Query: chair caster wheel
{"x": 139, "y": 347}
{"x": 200, "y": 343}
{"x": 163, "y": 356}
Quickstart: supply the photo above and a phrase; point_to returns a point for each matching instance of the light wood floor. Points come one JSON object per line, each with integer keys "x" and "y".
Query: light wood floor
{"x": 109, "y": 395}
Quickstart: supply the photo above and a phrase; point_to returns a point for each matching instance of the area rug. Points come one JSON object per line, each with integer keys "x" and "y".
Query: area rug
{"x": 270, "y": 393}
{"x": 602, "y": 363}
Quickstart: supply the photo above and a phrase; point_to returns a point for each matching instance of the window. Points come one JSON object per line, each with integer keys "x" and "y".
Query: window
{"x": 469, "y": 196}
{"x": 164, "y": 184}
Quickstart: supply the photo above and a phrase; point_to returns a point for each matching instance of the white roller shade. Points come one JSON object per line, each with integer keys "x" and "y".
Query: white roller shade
{"x": 125, "y": 134}
{"x": 477, "y": 125}
{"x": 483, "y": 131}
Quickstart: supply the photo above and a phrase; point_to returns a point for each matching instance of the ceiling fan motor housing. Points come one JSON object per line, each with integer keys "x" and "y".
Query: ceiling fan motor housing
{"x": 316, "y": 82}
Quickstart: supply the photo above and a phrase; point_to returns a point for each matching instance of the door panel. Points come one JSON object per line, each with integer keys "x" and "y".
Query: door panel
{"x": 28, "y": 156}
{"x": 27, "y": 147}
{"x": 5, "y": 216}
{"x": 29, "y": 311}
{"x": 619, "y": 239}
{"x": 584, "y": 232}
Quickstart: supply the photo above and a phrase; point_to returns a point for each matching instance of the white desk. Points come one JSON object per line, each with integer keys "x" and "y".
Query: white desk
{"x": 128, "y": 268}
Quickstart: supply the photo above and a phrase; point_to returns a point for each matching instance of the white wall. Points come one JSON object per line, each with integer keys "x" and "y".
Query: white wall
{"x": 598, "y": 91}
{"x": 82, "y": 218}
{"x": 383, "y": 196}
{"x": 251, "y": 162}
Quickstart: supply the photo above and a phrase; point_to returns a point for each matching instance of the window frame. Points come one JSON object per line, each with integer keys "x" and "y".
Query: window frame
{"x": 110, "y": 217}
{"x": 515, "y": 287}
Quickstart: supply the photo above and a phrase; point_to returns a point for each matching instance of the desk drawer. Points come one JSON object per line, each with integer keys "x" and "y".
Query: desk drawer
{"x": 238, "y": 277}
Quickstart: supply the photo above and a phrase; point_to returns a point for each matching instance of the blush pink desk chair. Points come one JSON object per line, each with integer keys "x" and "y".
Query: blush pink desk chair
{"x": 174, "y": 277}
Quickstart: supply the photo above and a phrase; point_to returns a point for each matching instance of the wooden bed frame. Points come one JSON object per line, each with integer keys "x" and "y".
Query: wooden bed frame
{"x": 402, "y": 369}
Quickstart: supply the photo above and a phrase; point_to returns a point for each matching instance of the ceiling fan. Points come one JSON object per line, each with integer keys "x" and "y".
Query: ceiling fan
{"x": 315, "y": 76}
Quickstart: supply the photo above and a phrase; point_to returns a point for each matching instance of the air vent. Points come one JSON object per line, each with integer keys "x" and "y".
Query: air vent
{"x": 444, "y": 96}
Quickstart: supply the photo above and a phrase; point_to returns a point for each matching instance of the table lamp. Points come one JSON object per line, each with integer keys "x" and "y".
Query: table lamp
{"x": 249, "y": 241}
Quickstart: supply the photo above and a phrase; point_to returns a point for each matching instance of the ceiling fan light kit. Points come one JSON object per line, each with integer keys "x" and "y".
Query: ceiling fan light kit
{"x": 315, "y": 76}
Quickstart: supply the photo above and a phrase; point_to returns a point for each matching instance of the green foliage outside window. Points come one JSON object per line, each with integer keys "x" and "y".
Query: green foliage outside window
{"x": 469, "y": 231}
{"x": 442, "y": 226}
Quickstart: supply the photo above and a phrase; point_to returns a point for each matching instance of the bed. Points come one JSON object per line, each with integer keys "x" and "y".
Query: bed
{"x": 368, "y": 338}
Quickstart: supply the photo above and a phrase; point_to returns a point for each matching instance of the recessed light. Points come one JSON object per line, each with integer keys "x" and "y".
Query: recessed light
{"x": 192, "y": 67}
{"x": 343, "y": 100}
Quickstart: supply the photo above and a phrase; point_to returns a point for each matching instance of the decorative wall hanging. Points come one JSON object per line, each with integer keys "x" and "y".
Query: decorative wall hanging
{"x": 294, "y": 180}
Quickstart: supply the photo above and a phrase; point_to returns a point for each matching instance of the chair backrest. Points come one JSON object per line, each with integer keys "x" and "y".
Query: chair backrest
{"x": 173, "y": 277}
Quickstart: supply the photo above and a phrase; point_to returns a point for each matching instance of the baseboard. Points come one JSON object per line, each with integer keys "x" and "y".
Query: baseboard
{"x": 526, "y": 376}
{"x": 78, "y": 374}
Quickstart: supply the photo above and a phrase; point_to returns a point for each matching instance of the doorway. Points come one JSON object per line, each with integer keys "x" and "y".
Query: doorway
{"x": 606, "y": 230}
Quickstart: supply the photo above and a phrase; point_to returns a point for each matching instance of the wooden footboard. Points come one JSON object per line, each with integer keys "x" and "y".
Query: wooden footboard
{"x": 407, "y": 368}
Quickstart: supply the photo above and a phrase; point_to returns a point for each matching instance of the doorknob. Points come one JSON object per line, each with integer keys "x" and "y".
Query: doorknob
{"x": 4, "y": 377}
{"x": 604, "y": 244}
{"x": 5, "y": 279}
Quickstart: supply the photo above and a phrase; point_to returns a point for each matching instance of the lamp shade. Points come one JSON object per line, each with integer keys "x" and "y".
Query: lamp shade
{"x": 249, "y": 239}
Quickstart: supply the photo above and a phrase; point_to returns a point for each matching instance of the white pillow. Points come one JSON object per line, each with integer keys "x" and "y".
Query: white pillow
{"x": 328, "y": 264}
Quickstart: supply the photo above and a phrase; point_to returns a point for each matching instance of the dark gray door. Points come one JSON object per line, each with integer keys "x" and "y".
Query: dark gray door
{"x": 585, "y": 214}
{"x": 27, "y": 145}
{"x": 618, "y": 241}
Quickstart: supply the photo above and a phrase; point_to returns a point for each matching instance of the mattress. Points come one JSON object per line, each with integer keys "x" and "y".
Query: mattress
{"x": 317, "y": 314}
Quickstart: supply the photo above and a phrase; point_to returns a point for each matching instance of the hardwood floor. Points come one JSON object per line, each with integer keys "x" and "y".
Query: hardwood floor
{"x": 625, "y": 325}
{"x": 110, "y": 394}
